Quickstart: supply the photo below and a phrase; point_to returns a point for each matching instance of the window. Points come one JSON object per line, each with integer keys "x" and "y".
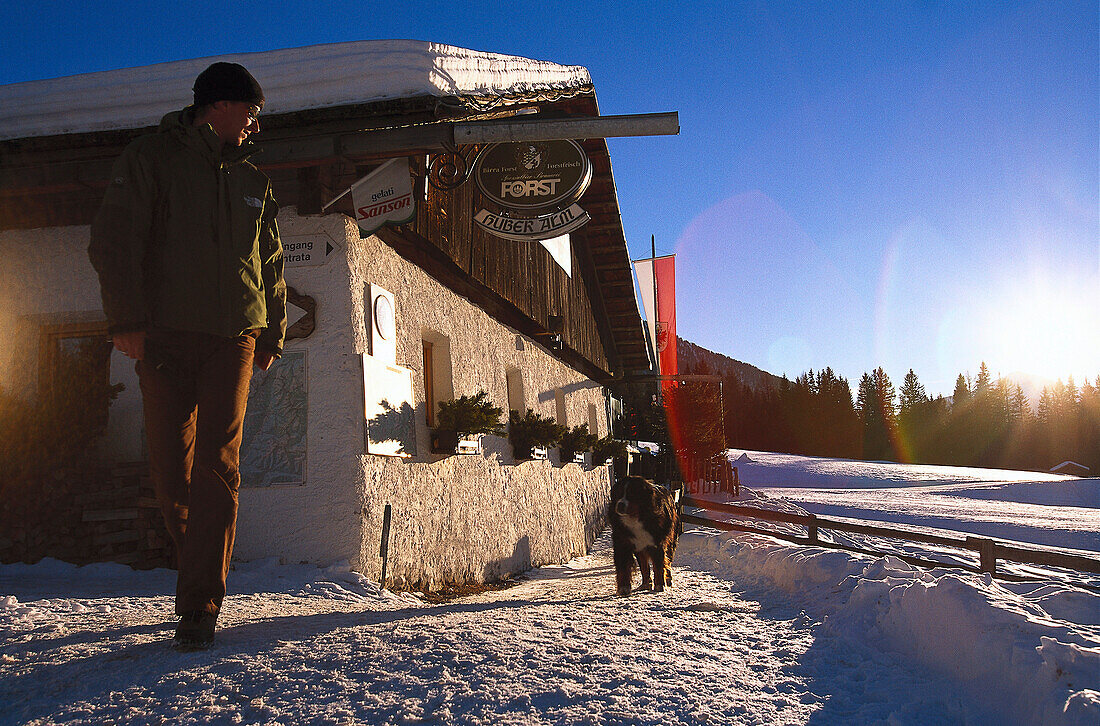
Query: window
{"x": 438, "y": 385}
{"x": 559, "y": 405}
{"x": 593, "y": 420}
{"x": 516, "y": 400}
{"x": 74, "y": 371}
{"x": 68, "y": 351}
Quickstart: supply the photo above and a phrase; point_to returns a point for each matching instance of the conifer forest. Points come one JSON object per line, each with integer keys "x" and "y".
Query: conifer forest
{"x": 986, "y": 422}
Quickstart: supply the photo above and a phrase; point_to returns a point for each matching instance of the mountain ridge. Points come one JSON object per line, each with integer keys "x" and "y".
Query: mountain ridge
{"x": 691, "y": 356}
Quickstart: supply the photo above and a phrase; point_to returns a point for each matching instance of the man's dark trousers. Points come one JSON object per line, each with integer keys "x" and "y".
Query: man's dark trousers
{"x": 195, "y": 388}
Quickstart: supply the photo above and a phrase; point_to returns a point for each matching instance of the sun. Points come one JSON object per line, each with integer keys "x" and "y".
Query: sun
{"x": 1050, "y": 333}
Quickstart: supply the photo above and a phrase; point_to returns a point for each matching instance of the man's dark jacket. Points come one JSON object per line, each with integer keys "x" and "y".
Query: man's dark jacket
{"x": 186, "y": 238}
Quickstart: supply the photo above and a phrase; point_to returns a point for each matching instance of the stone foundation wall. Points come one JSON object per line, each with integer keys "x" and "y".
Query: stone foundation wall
{"x": 104, "y": 515}
{"x": 474, "y": 519}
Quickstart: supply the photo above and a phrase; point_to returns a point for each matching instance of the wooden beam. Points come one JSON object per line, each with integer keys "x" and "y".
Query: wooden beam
{"x": 589, "y": 127}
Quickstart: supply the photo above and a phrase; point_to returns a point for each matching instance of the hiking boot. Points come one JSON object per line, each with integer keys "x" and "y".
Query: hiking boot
{"x": 195, "y": 630}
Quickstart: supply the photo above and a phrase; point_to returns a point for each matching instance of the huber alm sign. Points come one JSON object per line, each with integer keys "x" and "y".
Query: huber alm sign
{"x": 536, "y": 184}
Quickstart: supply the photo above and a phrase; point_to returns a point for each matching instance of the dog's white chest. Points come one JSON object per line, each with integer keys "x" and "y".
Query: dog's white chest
{"x": 641, "y": 536}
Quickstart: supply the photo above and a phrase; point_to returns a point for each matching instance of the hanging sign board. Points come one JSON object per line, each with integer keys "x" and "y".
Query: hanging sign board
{"x": 537, "y": 184}
{"x": 533, "y": 175}
{"x": 307, "y": 250}
{"x": 385, "y": 196}
{"x": 546, "y": 226}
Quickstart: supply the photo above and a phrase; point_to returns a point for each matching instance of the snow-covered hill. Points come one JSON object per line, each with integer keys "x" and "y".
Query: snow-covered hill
{"x": 1024, "y": 506}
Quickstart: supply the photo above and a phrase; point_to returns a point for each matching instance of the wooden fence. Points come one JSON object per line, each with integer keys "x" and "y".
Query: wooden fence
{"x": 988, "y": 550}
{"x": 716, "y": 474}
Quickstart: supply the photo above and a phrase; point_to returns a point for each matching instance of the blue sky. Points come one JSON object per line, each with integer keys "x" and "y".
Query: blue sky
{"x": 904, "y": 184}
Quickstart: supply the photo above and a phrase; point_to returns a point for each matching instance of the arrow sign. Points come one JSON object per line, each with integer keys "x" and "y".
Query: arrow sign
{"x": 304, "y": 250}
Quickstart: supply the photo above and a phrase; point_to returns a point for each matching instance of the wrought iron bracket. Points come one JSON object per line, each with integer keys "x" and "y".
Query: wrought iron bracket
{"x": 451, "y": 169}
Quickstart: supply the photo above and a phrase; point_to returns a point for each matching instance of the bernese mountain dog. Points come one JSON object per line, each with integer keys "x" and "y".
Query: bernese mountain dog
{"x": 644, "y": 526}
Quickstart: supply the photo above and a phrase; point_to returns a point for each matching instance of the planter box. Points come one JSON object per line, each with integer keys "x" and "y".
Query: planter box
{"x": 447, "y": 442}
{"x": 444, "y": 441}
{"x": 469, "y": 446}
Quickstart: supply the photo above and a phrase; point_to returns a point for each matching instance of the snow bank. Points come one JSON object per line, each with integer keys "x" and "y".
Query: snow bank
{"x": 1071, "y": 492}
{"x": 764, "y": 468}
{"x": 1031, "y": 650}
{"x": 293, "y": 79}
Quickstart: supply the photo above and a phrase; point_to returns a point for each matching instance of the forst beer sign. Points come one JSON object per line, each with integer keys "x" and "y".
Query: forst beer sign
{"x": 522, "y": 175}
{"x": 536, "y": 184}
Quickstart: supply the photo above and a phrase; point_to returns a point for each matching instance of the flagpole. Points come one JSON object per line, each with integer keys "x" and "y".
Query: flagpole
{"x": 656, "y": 316}
{"x": 342, "y": 195}
{"x": 656, "y": 302}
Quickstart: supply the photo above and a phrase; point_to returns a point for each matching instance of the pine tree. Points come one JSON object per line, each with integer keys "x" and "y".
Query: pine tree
{"x": 1020, "y": 449}
{"x": 1068, "y": 427}
{"x": 956, "y": 442}
{"x": 1090, "y": 425}
{"x": 913, "y": 395}
{"x": 981, "y": 386}
{"x": 875, "y": 403}
{"x": 913, "y": 412}
{"x": 961, "y": 396}
{"x": 1045, "y": 411}
{"x": 887, "y": 395}
{"x": 1019, "y": 407}
{"x": 840, "y": 433}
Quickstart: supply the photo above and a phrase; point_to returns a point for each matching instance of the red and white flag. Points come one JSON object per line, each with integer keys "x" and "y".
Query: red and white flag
{"x": 657, "y": 289}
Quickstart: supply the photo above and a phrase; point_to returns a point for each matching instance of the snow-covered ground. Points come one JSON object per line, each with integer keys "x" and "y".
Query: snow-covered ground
{"x": 756, "y": 631}
{"x": 1009, "y": 506}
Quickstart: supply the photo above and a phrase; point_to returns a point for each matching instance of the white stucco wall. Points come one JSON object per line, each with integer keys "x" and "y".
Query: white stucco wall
{"x": 472, "y": 518}
{"x": 482, "y": 350}
{"x": 318, "y": 521}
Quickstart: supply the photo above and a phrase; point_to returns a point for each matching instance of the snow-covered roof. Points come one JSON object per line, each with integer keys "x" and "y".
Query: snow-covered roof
{"x": 1067, "y": 467}
{"x": 294, "y": 79}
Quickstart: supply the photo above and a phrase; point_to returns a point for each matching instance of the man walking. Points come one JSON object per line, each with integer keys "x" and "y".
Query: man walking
{"x": 190, "y": 268}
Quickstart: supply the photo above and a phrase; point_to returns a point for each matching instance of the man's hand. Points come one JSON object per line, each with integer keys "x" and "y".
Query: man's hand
{"x": 263, "y": 359}
{"x": 131, "y": 344}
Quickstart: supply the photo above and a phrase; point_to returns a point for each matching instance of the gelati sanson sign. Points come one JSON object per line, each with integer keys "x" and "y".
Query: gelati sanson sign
{"x": 536, "y": 184}
{"x": 385, "y": 196}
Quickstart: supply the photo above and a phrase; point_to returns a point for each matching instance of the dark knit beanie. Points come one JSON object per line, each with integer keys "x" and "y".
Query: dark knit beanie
{"x": 227, "y": 82}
